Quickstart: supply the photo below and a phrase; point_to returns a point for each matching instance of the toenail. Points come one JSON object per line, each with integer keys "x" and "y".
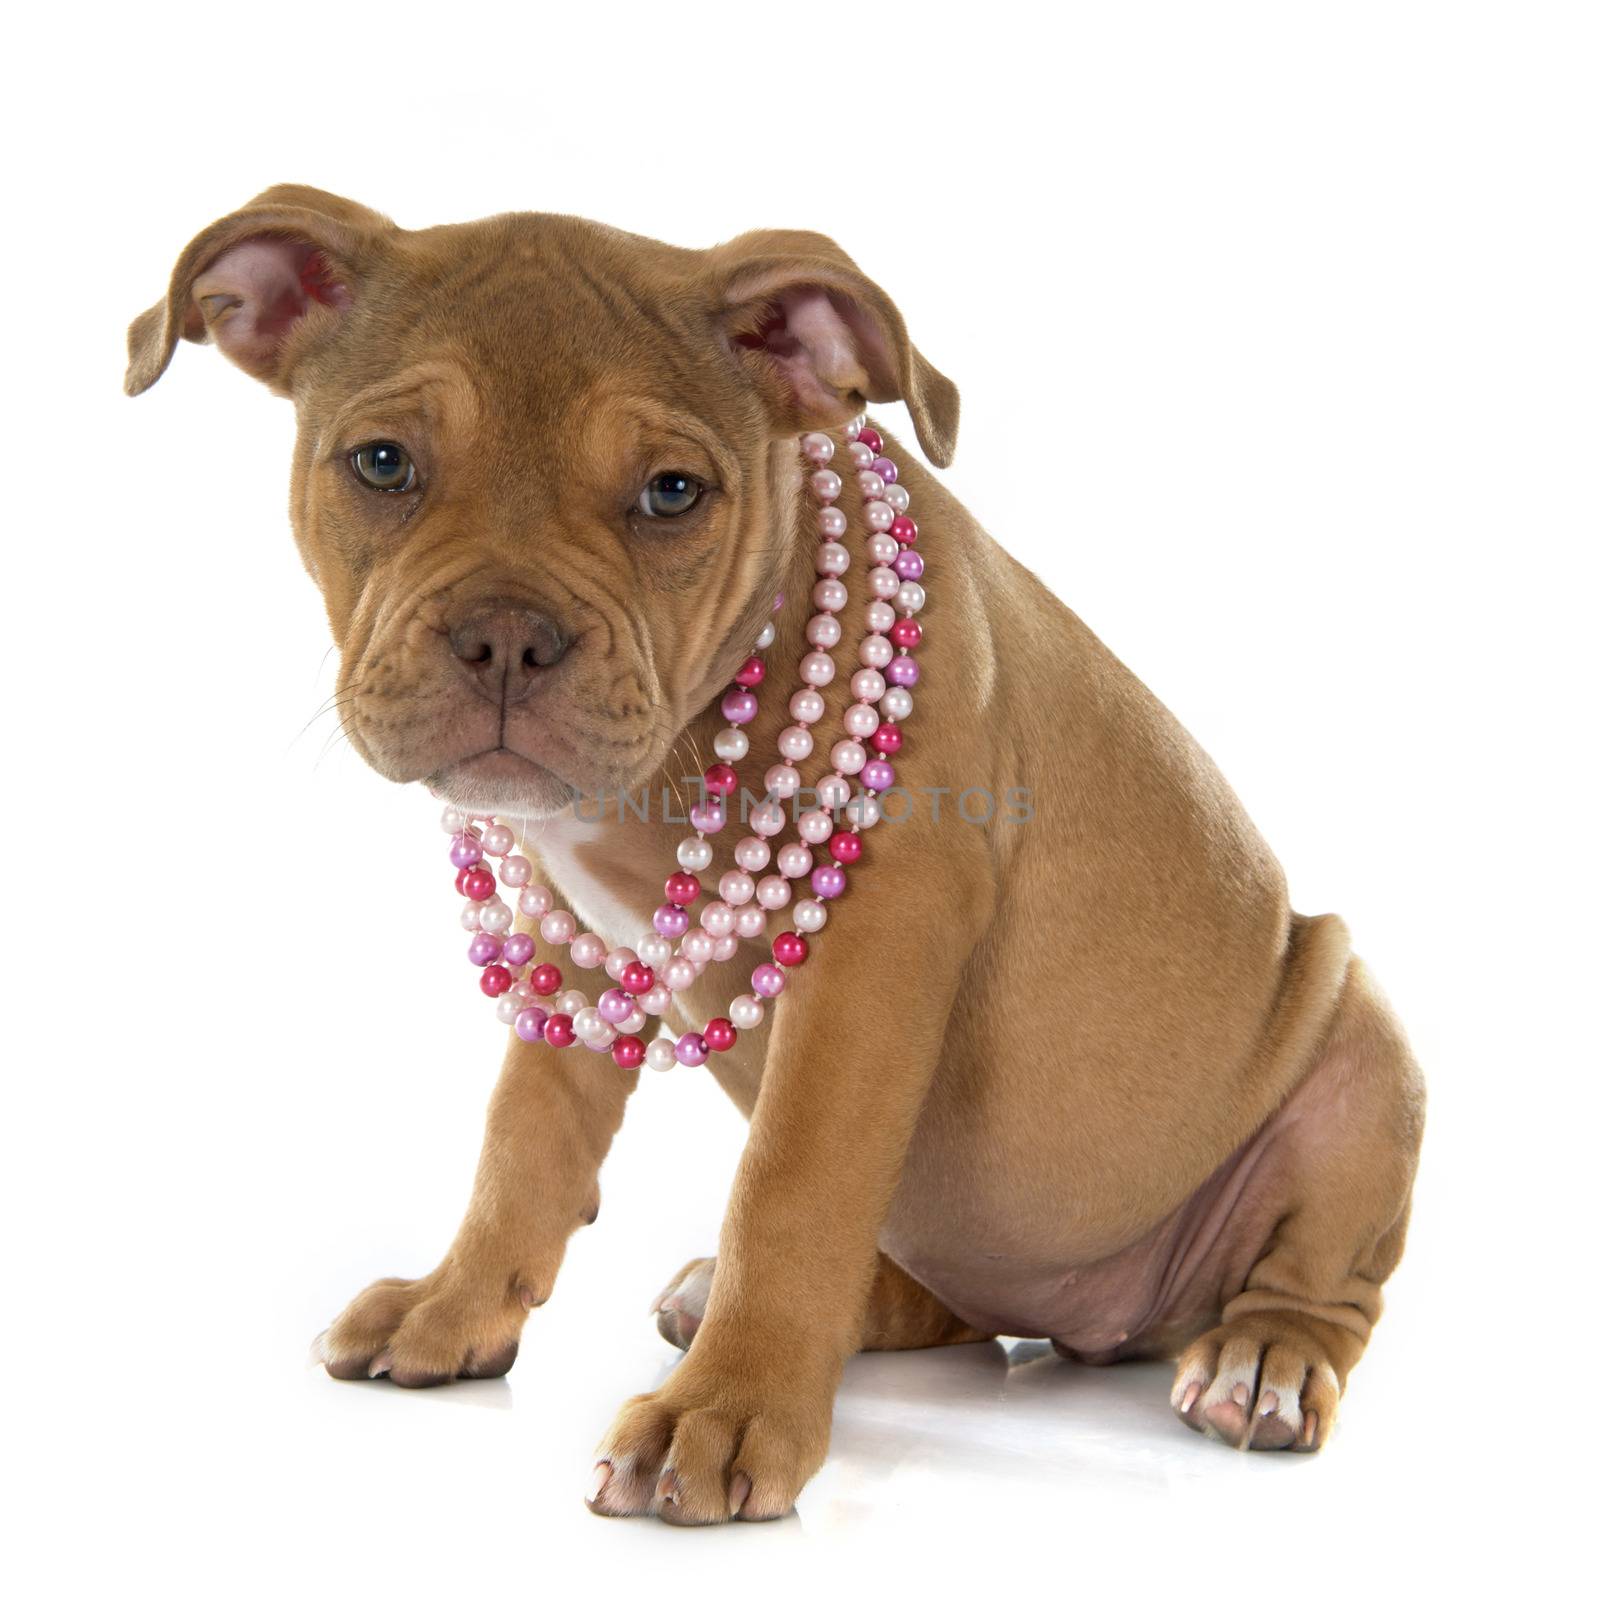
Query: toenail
{"x": 738, "y": 1493}
{"x": 1241, "y": 1396}
{"x": 597, "y": 1484}
{"x": 1269, "y": 1404}
{"x": 1191, "y": 1394}
{"x": 667, "y": 1487}
{"x": 380, "y": 1365}
{"x": 1310, "y": 1434}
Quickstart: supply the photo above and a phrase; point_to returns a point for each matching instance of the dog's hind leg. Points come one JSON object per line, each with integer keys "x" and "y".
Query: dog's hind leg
{"x": 1337, "y": 1176}
{"x": 900, "y": 1313}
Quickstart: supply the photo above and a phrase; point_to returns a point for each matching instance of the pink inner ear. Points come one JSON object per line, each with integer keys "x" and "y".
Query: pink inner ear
{"x": 815, "y": 346}
{"x": 253, "y": 294}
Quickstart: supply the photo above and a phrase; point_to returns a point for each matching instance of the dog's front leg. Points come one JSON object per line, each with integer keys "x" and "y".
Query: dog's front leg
{"x": 551, "y": 1121}
{"x": 744, "y": 1420}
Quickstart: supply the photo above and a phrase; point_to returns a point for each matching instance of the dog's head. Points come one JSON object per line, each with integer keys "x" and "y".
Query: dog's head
{"x": 545, "y": 474}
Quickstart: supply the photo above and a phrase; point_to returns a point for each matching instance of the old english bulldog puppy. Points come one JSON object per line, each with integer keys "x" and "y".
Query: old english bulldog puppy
{"x": 1088, "y": 1078}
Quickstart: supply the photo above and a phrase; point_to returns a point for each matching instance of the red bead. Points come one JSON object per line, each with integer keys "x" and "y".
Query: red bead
{"x": 751, "y": 673}
{"x": 720, "y": 1034}
{"x": 476, "y": 883}
{"x": 907, "y": 633}
{"x": 721, "y": 779}
{"x": 636, "y": 978}
{"x": 845, "y": 848}
{"x": 888, "y": 739}
{"x": 545, "y": 978}
{"x": 627, "y": 1052}
{"x": 872, "y": 439}
{"x": 790, "y": 949}
{"x": 683, "y": 888}
{"x": 904, "y": 529}
{"x": 558, "y": 1031}
{"x": 495, "y": 981}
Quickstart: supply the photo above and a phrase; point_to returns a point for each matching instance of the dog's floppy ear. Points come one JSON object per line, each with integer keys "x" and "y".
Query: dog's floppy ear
{"x": 265, "y": 283}
{"x": 822, "y": 338}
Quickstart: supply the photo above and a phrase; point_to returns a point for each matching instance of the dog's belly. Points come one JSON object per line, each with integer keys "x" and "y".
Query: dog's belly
{"x": 1148, "y": 1298}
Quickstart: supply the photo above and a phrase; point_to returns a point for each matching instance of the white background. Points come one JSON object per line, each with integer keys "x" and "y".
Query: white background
{"x": 1278, "y": 333}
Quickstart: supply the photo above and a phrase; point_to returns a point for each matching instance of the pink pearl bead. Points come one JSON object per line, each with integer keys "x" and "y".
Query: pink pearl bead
{"x": 826, "y": 484}
{"x": 465, "y": 851}
{"x": 691, "y": 1050}
{"x": 833, "y": 792}
{"x": 827, "y": 883}
{"x": 726, "y": 947}
{"x": 752, "y": 853}
{"x": 716, "y": 917}
{"x": 818, "y": 448}
{"x": 766, "y": 819}
{"x": 669, "y": 920}
{"x": 654, "y": 1001}
{"x": 823, "y": 630}
{"x": 833, "y": 560}
{"x": 878, "y": 775}
{"x": 739, "y": 706}
{"x": 872, "y": 486}
{"x": 618, "y": 961}
{"x": 795, "y": 743}
{"x": 860, "y": 456}
{"x": 879, "y": 617}
{"x": 707, "y": 817}
{"x": 498, "y": 840}
{"x": 535, "y": 901}
{"x": 558, "y": 927}
{"x": 879, "y": 515}
{"x": 861, "y": 722}
{"x": 868, "y": 683}
{"x": 881, "y": 549}
{"x": 831, "y": 522}
{"x": 471, "y": 912}
{"x": 485, "y": 947}
{"x": 886, "y": 469}
{"x": 898, "y": 496}
{"x": 772, "y": 893}
{"x": 518, "y": 951}
{"x": 830, "y": 595}
{"x": 794, "y": 860}
{"x": 847, "y": 756}
{"x": 814, "y": 826}
{"x": 806, "y": 705}
{"x": 817, "y": 669}
{"x": 697, "y": 943}
{"x": 781, "y": 782}
{"x": 750, "y": 923}
{"x": 678, "y": 973}
{"x": 736, "y": 887}
{"x": 909, "y": 565}
{"x": 768, "y": 980}
{"x": 588, "y": 950}
{"x": 882, "y": 584}
{"x": 530, "y": 1024}
{"x": 616, "y": 1006}
{"x": 515, "y": 871}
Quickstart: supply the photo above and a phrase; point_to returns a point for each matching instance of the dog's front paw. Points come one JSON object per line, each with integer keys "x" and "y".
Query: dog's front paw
{"x": 694, "y": 1452}
{"x": 1263, "y": 1382}
{"x": 425, "y": 1331}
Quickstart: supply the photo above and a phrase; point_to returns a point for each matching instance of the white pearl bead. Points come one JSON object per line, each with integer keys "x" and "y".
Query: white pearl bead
{"x": 751, "y": 922}
{"x": 832, "y": 792}
{"x": 696, "y": 945}
{"x": 809, "y": 916}
{"x": 817, "y": 669}
{"x": 823, "y": 630}
{"x": 899, "y": 497}
{"x": 814, "y": 826}
{"x": 852, "y": 429}
{"x": 470, "y": 913}
{"x": 726, "y": 947}
{"x": 848, "y": 756}
{"x": 655, "y": 1000}
{"x": 861, "y": 722}
{"x": 766, "y": 819}
{"x": 659, "y": 1055}
{"x": 781, "y": 782}
{"x": 752, "y": 853}
{"x": 794, "y": 860}
{"x": 716, "y": 917}
{"x": 872, "y": 486}
{"x": 507, "y": 1007}
{"x": 495, "y": 916}
{"x": 618, "y": 962}
{"x": 879, "y": 515}
{"x": 455, "y": 820}
{"x": 861, "y": 456}
{"x": 766, "y": 636}
{"x": 818, "y": 448}
{"x": 694, "y": 855}
{"x": 653, "y": 950}
{"x": 631, "y": 1023}
{"x": 863, "y": 811}
{"x": 678, "y": 973}
{"x": 879, "y": 617}
{"x": 897, "y": 703}
{"x": 588, "y": 950}
{"x": 592, "y": 1028}
{"x": 884, "y": 583}
{"x": 881, "y": 549}
{"x": 571, "y": 1001}
{"x": 832, "y": 560}
{"x": 535, "y": 900}
{"x": 795, "y": 744}
{"x": 522, "y": 992}
{"x": 826, "y": 484}
{"x": 868, "y": 684}
{"x": 745, "y": 1011}
{"x": 911, "y": 598}
{"x": 515, "y": 871}
{"x": 875, "y": 651}
{"x": 806, "y": 705}
{"x": 732, "y": 744}
{"x": 735, "y": 887}
{"x": 828, "y": 594}
{"x": 772, "y": 893}
{"x": 557, "y": 927}
{"x": 498, "y": 841}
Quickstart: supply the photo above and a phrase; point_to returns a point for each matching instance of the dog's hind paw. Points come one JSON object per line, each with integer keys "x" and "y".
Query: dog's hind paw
{"x": 680, "y": 1308}
{"x": 1263, "y": 1382}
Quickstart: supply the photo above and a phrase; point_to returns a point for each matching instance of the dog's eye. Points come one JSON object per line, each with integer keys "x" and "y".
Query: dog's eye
{"x": 384, "y": 465}
{"x": 669, "y": 494}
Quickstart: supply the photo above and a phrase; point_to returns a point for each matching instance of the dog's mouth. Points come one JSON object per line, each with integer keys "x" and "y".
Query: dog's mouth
{"x": 503, "y": 781}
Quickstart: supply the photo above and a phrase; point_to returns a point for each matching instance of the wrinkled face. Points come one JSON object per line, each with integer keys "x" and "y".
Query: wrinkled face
{"x": 546, "y": 473}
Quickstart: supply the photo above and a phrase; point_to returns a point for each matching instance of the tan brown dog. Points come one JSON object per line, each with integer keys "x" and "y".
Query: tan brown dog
{"x": 1085, "y": 1077}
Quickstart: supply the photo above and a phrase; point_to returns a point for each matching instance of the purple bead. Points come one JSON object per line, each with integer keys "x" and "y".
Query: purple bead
{"x": 908, "y": 566}
{"x": 827, "y": 883}
{"x": 902, "y": 672}
{"x": 739, "y": 705}
{"x": 708, "y": 817}
{"x": 670, "y": 921}
{"x": 768, "y": 980}
{"x": 530, "y": 1024}
{"x": 485, "y": 947}
{"x": 517, "y": 951}
{"x": 616, "y": 1006}
{"x": 692, "y": 1049}
{"x": 878, "y": 775}
{"x": 886, "y": 469}
{"x": 465, "y": 851}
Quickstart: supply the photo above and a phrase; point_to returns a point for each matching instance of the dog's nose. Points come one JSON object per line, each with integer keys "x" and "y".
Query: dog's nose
{"x": 504, "y": 647}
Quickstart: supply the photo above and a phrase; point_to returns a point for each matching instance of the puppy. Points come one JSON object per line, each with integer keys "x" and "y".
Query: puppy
{"x": 1079, "y": 1073}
